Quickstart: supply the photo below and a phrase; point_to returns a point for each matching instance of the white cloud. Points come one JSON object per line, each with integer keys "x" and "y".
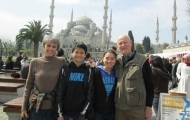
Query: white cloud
{"x": 143, "y": 17}
{"x": 10, "y": 25}
{"x": 69, "y": 1}
{"x": 59, "y": 24}
{"x": 86, "y": 2}
{"x": 91, "y": 3}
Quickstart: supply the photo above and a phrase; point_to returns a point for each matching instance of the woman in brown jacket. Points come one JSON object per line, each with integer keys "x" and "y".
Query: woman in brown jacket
{"x": 41, "y": 82}
{"x": 161, "y": 79}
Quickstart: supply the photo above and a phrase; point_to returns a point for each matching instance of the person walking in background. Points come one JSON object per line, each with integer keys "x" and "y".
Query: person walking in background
{"x": 24, "y": 66}
{"x": 41, "y": 82}
{"x": 161, "y": 79}
{"x": 135, "y": 89}
{"x": 1, "y": 63}
{"x": 18, "y": 63}
{"x": 74, "y": 92}
{"x": 24, "y": 70}
{"x": 178, "y": 72}
{"x": 60, "y": 52}
{"x": 174, "y": 75}
{"x": 184, "y": 82}
{"x": 9, "y": 63}
{"x": 167, "y": 65}
{"x": 24, "y": 60}
{"x": 104, "y": 88}
{"x": 89, "y": 58}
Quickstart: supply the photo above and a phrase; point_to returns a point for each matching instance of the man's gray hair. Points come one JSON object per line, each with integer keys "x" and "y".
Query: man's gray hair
{"x": 50, "y": 38}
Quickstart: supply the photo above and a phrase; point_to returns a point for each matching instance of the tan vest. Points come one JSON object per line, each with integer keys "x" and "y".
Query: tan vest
{"x": 130, "y": 91}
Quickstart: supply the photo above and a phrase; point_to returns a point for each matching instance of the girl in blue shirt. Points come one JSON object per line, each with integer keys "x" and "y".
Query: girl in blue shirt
{"x": 104, "y": 88}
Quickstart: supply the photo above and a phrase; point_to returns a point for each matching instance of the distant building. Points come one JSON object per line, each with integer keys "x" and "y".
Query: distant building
{"x": 177, "y": 47}
{"x": 180, "y": 47}
{"x": 83, "y": 30}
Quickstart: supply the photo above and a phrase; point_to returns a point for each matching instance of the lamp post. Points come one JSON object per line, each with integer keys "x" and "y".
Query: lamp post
{"x": 108, "y": 42}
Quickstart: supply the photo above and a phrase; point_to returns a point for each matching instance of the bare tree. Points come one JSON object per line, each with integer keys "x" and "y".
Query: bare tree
{"x": 188, "y": 8}
{"x": 3, "y": 46}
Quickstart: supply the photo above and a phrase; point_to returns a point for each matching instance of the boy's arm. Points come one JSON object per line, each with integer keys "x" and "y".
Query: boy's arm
{"x": 89, "y": 91}
{"x": 59, "y": 96}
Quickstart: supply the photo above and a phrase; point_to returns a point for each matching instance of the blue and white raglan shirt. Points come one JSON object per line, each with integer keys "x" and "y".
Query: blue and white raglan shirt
{"x": 108, "y": 79}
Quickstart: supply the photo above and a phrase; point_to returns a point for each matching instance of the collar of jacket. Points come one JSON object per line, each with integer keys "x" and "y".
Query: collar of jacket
{"x": 72, "y": 64}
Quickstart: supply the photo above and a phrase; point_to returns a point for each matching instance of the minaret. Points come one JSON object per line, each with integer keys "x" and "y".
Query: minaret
{"x": 104, "y": 35}
{"x": 157, "y": 31}
{"x": 51, "y": 16}
{"x": 110, "y": 29}
{"x": 174, "y": 28}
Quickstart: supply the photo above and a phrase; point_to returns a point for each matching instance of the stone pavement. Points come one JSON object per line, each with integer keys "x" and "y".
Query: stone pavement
{"x": 153, "y": 115}
{"x": 3, "y": 116}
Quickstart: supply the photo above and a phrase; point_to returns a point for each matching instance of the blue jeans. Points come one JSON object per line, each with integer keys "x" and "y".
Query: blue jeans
{"x": 174, "y": 83}
{"x": 74, "y": 116}
{"x": 43, "y": 114}
{"x": 99, "y": 116}
{"x": 155, "y": 105}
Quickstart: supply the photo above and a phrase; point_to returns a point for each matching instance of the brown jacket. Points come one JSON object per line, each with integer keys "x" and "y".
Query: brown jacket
{"x": 161, "y": 80}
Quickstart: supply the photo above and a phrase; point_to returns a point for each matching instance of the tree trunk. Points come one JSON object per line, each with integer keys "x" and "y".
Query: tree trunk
{"x": 6, "y": 52}
{"x": 36, "y": 44}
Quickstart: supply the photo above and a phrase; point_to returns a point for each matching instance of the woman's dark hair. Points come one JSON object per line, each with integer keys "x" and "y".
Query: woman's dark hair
{"x": 110, "y": 51}
{"x": 80, "y": 45}
{"x": 9, "y": 59}
{"x": 157, "y": 62}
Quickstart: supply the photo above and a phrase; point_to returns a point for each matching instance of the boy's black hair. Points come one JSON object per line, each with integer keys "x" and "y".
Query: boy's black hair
{"x": 80, "y": 45}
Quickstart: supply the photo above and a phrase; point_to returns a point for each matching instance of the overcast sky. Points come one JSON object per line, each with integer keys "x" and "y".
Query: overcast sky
{"x": 136, "y": 15}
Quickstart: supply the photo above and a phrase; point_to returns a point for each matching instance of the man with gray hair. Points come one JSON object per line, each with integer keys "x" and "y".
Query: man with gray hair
{"x": 135, "y": 89}
{"x": 174, "y": 75}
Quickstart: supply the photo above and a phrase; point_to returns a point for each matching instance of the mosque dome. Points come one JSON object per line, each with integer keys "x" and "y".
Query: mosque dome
{"x": 83, "y": 20}
{"x": 97, "y": 33}
{"x": 77, "y": 33}
{"x": 81, "y": 28}
{"x": 93, "y": 26}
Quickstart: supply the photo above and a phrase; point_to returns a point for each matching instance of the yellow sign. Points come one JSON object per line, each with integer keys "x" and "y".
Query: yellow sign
{"x": 173, "y": 102}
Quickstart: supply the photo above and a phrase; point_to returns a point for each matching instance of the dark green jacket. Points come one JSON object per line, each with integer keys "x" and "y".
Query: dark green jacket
{"x": 130, "y": 90}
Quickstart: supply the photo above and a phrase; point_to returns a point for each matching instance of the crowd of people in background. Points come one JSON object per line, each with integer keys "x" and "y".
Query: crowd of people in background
{"x": 173, "y": 69}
